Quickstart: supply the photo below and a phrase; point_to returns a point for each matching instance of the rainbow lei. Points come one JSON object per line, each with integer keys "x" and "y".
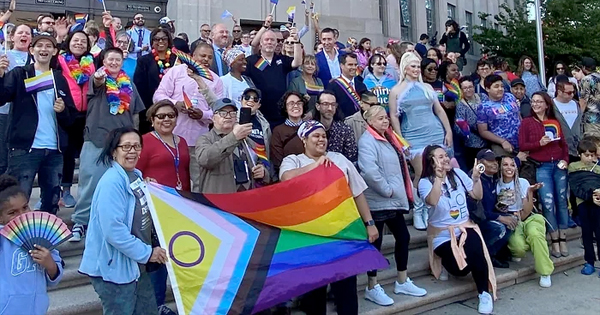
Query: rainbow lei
{"x": 80, "y": 70}
{"x": 118, "y": 92}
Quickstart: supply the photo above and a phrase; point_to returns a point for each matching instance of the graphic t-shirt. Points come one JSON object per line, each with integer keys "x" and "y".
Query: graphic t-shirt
{"x": 552, "y": 129}
{"x": 508, "y": 199}
{"x": 142, "y": 222}
{"x": 451, "y": 209}
{"x": 502, "y": 118}
{"x": 568, "y": 111}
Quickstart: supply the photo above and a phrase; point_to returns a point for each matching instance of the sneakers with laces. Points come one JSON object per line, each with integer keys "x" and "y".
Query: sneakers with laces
{"x": 78, "y": 233}
{"x": 378, "y": 296}
{"x": 68, "y": 200}
{"x": 409, "y": 288}
{"x": 588, "y": 269}
{"x": 545, "y": 281}
{"x": 165, "y": 310}
{"x": 486, "y": 304}
{"x": 443, "y": 275}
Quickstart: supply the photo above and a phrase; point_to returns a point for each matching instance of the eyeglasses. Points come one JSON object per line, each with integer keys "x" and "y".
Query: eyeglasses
{"x": 432, "y": 69}
{"x": 127, "y": 147}
{"x": 160, "y": 39}
{"x": 329, "y": 105}
{"x": 469, "y": 88}
{"x": 163, "y": 116}
{"x": 255, "y": 99}
{"x": 379, "y": 64}
{"x": 122, "y": 42}
{"x": 294, "y": 104}
{"x": 228, "y": 114}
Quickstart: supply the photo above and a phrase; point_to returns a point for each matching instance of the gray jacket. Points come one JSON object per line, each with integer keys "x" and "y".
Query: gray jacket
{"x": 572, "y": 135}
{"x": 379, "y": 165}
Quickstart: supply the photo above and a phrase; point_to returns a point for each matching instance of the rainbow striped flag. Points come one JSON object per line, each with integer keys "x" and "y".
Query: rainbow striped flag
{"x": 261, "y": 64}
{"x": 246, "y": 252}
{"x": 81, "y": 18}
{"x": 186, "y": 99}
{"x": 41, "y": 82}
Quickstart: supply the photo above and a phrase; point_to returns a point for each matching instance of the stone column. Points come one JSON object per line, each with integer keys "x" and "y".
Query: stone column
{"x": 189, "y": 15}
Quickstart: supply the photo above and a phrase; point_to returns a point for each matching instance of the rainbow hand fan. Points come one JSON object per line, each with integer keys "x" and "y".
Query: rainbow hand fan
{"x": 36, "y": 227}
{"x": 192, "y": 64}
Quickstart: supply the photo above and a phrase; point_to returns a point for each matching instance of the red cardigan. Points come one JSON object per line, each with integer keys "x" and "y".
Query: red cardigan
{"x": 530, "y": 133}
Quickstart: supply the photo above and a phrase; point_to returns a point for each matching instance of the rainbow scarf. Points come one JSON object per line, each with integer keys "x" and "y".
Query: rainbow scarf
{"x": 453, "y": 92}
{"x": 80, "y": 70}
{"x": 118, "y": 92}
{"x": 350, "y": 91}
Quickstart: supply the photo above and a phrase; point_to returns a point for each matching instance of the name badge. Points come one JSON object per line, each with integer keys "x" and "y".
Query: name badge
{"x": 279, "y": 62}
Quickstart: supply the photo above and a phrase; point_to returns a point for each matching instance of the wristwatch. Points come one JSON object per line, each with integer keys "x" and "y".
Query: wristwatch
{"x": 370, "y": 223}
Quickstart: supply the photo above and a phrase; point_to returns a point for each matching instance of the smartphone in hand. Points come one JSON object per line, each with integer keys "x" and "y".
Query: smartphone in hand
{"x": 245, "y": 115}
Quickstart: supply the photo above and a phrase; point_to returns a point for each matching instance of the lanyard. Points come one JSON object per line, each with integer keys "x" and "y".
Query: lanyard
{"x": 175, "y": 157}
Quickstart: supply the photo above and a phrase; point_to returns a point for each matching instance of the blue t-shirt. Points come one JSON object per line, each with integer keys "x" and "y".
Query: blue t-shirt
{"x": 502, "y": 118}
{"x": 45, "y": 134}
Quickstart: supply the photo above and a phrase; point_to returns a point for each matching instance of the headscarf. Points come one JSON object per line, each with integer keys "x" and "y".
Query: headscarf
{"x": 407, "y": 58}
{"x": 308, "y": 127}
{"x": 230, "y": 55}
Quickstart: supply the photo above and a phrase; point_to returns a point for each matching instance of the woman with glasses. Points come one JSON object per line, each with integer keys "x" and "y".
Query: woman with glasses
{"x": 234, "y": 83}
{"x": 542, "y": 135}
{"x": 116, "y": 259}
{"x": 308, "y": 84}
{"x": 285, "y": 140}
{"x": 560, "y": 68}
{"x": 378, "y": 81}
{"x": 466, "y": 121}
{"x": 529, "y": 73}
{"x": 454, "y": 240}
{"x": 152, "y": 67}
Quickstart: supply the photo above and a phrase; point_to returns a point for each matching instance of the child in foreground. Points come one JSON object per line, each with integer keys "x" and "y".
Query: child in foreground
{"x": 584, "y": 179}
{"x": 24, "y": 276}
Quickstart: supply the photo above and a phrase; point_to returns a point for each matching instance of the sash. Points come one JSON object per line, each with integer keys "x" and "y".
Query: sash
{"x": 350, "y": 91}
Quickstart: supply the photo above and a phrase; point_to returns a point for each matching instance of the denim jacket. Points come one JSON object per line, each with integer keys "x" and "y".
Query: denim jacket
{"x": 111, "y": 251}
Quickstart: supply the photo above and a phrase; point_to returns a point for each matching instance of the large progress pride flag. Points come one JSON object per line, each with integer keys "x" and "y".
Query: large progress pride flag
{"x": 246, "y": 252}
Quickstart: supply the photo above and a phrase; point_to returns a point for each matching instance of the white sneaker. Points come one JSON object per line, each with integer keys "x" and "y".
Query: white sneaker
{"x": 78, "y": 233}
{"x": 443, "y": 275}
{"x": 377, "y": 295}
{"x": 38, "y": 205}
{"x": 418, "y": 222}
{"x": 486, "y": 303}
{"x": 516, "y": 259}
{"x": 409, "y": 288}
{"x": 425, "y": 215}
{"x": 545, "y": 281}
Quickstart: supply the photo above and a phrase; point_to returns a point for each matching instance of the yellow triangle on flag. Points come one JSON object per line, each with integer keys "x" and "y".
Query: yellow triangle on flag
{"x": 189, "y": 257}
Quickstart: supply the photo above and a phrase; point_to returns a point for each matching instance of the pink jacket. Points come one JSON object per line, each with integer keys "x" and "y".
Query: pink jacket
{"x": 77, "y": 92}
{"x": 171, "y": 87}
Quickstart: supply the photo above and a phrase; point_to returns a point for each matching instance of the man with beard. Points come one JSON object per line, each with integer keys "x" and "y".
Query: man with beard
{"x": 140, "y": 37}
{"x": 269, "y": 71}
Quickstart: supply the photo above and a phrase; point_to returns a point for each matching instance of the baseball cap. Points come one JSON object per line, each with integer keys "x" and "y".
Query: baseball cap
{"x": 588, "y": 62}
{"x": 221, "y": 103}
{"x": 283, "y": 28}
{"x": 165, "y": 20}
{"x": 41, "y": 36}
{"x": 516, "y": 82}
{"x": 486, "y": 154}
{"x": 255, "y": 90}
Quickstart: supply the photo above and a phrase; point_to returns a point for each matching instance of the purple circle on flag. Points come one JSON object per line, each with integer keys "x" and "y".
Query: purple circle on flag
{"x": 179, "y": 262}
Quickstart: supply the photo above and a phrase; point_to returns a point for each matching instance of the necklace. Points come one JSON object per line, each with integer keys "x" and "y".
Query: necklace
{"x": 80, "y": 70}
{"x": 175, "y": 157}
{"x": 162, "y": 66}
{"x": 118, "y": 92}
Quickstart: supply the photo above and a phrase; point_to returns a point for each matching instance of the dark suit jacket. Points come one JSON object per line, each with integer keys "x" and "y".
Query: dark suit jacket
{"x": 146, "y": 77}
{"x": 345, "y": 103}
{"x": 324, "y": 73}
{"x": 224, "y": 65}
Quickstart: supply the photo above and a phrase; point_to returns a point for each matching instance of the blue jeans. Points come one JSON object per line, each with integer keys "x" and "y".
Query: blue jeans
{"x": 495, "y": 234}
{"x": 136, "y": 298}
{"x": 47, "y": 164}
{"x": 553, "y": 195}
{"x": 159, "y": 282}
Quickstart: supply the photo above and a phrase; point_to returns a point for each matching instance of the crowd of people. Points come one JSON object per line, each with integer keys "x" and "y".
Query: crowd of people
{"x": 473, "y": 156}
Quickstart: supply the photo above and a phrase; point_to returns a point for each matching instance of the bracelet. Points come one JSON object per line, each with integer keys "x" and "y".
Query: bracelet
{"x": 11, "y": 11}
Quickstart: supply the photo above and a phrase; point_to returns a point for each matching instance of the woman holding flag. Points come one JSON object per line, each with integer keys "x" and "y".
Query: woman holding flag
{"x": 43, "y": 109}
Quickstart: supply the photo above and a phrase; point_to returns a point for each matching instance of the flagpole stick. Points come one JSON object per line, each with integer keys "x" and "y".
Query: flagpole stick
{"x": 273, "y": 9}
{"x": 248, "y": 148}
{"x": 54, "y": 84}
{"x": 104, "y": 6}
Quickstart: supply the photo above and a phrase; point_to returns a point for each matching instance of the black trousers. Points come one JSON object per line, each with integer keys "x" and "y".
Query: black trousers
{"x": 75, "y": 132}
{"x": 345, "y": 297}
{"x": 589, "y": 213}
{"x": 397, "y": 226}
{"x": 476, "y": 263}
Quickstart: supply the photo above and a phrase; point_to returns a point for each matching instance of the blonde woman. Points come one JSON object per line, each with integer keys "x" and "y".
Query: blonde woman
{"x": 417, "y": 115}
{"x": 308, "y": 84}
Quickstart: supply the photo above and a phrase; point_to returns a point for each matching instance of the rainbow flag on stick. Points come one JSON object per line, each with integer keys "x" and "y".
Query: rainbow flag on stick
{"x": 246, "y": 252}
{"x": 186, "y": 99}
{"x": 41, "y": 82}
{"x": 80, "y": 18}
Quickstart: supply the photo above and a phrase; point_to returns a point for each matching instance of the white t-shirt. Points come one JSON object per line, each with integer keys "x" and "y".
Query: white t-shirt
{"x": 568, "y": 110}
{"x": 233, "y": 89}
{"x": 355, "y": 181}
{"x": 451, "y": 209}
{"x": 508, "y": 197}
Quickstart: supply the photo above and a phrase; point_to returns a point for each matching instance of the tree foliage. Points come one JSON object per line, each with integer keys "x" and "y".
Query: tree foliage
{"x": 570, "y": 29}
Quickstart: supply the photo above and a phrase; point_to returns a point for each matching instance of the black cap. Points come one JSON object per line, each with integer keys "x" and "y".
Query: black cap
{"x": 588, "y": 63}
{"x": 486, "y": 154}
{"x": 255, "y": 90}
{"x": 516, "y": 82}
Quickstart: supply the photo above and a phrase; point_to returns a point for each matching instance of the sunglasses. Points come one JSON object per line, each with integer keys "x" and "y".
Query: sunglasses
{"x": 432, "y": 69}
{"x": 289, "y": 43}
{"x": 160, "y": 39}
{"x": 251, "y": 98}
{"x": 237, "y": 31}
{"x": 560, "y": 68}
{"x": 163, "y": 116}
{"x": 280, "y": 40}
{"x": 379, "y": 64}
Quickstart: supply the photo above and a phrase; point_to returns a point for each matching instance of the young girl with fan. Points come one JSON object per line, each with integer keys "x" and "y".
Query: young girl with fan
{"x": 24, "y": 277}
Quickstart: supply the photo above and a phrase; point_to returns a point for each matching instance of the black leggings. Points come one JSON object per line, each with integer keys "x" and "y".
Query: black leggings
{"x": 75, "y": 132}
{"x": 397, "y": 226}
{"x": 345, "y": 297}
{"x": 589, "y": 215}
{"x": 476, "y": 263}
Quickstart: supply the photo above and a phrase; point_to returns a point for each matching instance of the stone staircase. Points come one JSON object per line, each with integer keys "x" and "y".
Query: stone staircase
{"x": 75, "y": 295}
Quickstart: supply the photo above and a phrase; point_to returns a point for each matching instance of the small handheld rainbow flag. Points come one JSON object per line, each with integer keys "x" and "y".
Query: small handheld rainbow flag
{"x": 186, "y": 100}
{"x": 36, "y": 228}
{"x": 80, "y": 18}
{"x": 453, "y": 92}
{"x": 291, "y": 12}
{"x": 261, "y": 64}
{"x": 41, "y": 82}
{"x": 192, "y": 64}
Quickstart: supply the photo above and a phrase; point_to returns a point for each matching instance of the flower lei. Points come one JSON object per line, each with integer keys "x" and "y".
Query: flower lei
{"x": 80, "y": 70}
{"x": 118, "y": 92}
{"x": 162, "y": 66}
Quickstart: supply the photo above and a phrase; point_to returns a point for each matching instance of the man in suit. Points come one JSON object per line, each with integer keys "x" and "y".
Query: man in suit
{"x": 348, "y": 87}
{"x": 220, "y": 39}
{"x": 140, "y": 37}
{"x": 328, "y": 59}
